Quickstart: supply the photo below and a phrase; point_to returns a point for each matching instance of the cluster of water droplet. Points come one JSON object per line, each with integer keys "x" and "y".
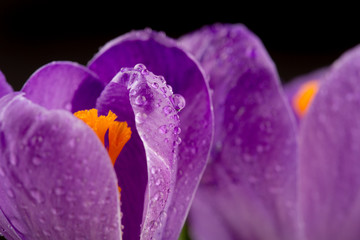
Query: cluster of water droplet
{"x": 156, "y": 110}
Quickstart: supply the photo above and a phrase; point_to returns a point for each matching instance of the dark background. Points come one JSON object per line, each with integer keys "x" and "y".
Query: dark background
{"x": 299, "y": 38}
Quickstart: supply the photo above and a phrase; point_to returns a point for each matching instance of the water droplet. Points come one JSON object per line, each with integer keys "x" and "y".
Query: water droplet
{"x": 155, "y": 197}
{"x": 259, "y": 149}
{"x": 58, "y": 228}
{"x": 36, "y": 161}
{"x": 13, "y": 160}
{"x": 177, "y": 130}
{"x": 37, "y": 196}
{"x": 177, "y": 141}
{"x": 145, "y": 71}
{"x": 162, "y": 215}
{"x": 125, "y": 77}
{"x": 132, "y": 92}
{"x": 163, "y": 89}
{"x": 68, "y": 106}
{"x": 10, "y": 193}
{"x": 140, "y": 117}
{"x": 59, "y": 191}
{"x": 176, "y": 117}
{"x": 158, "y": 182}
{"x": 162, "y": 79}
{"x": 178, "y": 101}
{"x": 163, "y": 129}
{"x": 139, "y": 66}
{"x": 167, "y": 110}
{"x": 155, "y": 85}
{"x": 2, "y": 173}
{"x": 140, "y": 100}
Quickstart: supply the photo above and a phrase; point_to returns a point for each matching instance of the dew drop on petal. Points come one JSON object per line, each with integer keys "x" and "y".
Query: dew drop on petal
{"x": 178, "y": 101}
{"x": 139, "y": 66}
{"x": 36, "y": 161}
{"x": 37, "y": 196}
{"x": 177, "y": 130}
{"x": 155, "y": 85}
{"x": 10, "y": 193}
{"x": 163, "y": 129}
{"x": 140, "y": 117}
{"x": 140, "y": 100}
{"x": 167, "y": 110}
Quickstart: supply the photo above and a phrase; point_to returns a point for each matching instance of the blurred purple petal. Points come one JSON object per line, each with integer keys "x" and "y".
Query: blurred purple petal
{"x": 5, "y": 88}
{"x": 132, "y": 96}
{"x": 162, "y": 56}
{"x": 63, "y": 85}
{"x": 207, "y": 222}
{"x": 252, "y": 171}
{"x": 57, "y": 178}
{"x": 329, "y": 171}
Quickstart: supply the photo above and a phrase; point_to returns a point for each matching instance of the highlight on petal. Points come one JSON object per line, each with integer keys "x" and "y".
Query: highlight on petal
{"x": 57, "y": 181}
{"x": 251, "y": 176}
{"x": 63, "y": 85}
{"x": 163, "y": 56}
{"x": 329, "y": 167}
{"x": 5, "y": 88}
{"x": 137, "y": 96}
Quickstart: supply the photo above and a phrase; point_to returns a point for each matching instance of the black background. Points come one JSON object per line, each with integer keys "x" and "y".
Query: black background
{"x": 299, "y": 38}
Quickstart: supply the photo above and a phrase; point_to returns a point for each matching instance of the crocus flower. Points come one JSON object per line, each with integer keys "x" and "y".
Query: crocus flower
{"x": 269, "y": 178}
{"x": 58, "y": 180}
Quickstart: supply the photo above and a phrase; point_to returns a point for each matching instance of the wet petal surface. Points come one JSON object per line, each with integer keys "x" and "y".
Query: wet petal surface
{"x": 57, "y": 179}
{"x": 329, "y": 155}
{"x": 251, "y": 175}
{"x": 162, "y": 56}
{"x": 132, "y": 96}
{"x": 5, "y": 88}
{"x": 63, "y": 85}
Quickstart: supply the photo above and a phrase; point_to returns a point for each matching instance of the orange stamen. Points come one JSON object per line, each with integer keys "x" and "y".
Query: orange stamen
{"x": 303, "y": 98}
{"x": 118, "y": 135}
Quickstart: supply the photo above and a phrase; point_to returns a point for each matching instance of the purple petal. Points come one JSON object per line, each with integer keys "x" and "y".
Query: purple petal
{"x": 251, "y": 174}
{"x": 63, "y": 85}
{"x": 6, "y": 229}
{"x": 57, "y": 181}
{"x": 209, "y": 223}
{"x": 155, "y": 128}
{"x": 329, "y": 170}
{"x": 163, "y": 56}
{"x": 5, "y": 88}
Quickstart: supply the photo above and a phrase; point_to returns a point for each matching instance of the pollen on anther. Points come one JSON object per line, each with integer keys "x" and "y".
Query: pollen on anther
{"x": 117, "y": 133}
{"x": 303, "y": 98}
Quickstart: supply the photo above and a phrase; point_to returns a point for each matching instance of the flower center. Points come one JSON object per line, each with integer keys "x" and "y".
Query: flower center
{"x": 112, "y": 134}
{"x": 304, "y": 97}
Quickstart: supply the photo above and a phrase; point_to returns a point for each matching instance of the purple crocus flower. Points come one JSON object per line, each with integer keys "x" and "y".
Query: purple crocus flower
{"x": 57, "y": 180}
{"x": 267, "y": 179}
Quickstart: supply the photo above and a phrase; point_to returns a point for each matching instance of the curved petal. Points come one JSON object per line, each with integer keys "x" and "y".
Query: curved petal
{"x": 57, "y": 181}
{"x": 135, "y": 95}
{"x": 63, "y": 85}
{"x": 329, "y": 170}
{"x": 162, "y": 56}
{"x": 6, "y": 229}
{"x": 251, "y": 174}
{"x": 5, "y": 88}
